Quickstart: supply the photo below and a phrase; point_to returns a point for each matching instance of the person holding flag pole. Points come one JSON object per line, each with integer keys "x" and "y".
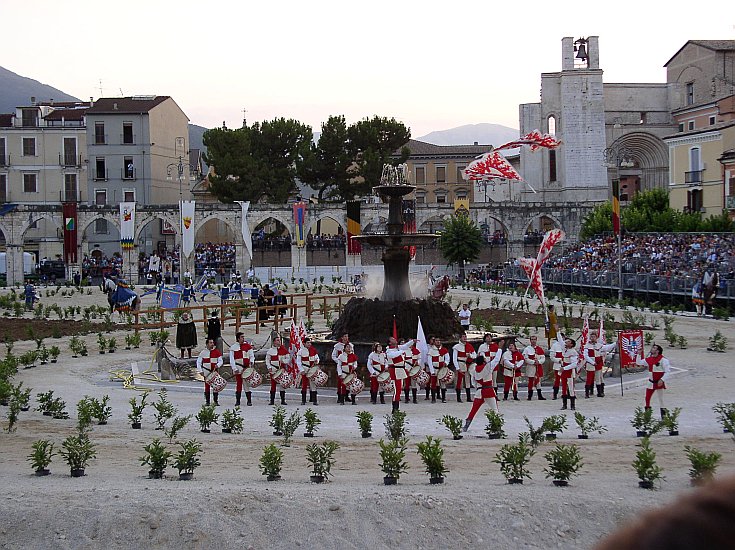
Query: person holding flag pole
{"x": 594, "y": 357}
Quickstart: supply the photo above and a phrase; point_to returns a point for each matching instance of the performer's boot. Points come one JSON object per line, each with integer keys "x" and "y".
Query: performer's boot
{"x": 505, "y": 396}
{"x": 427, "y": 393}
{"x": 249, "y": 397}
{"x": 303, "y": 397}
{"x": 216, "y": 402}
{"x": 459, "y": 395}
{"x": 273, "y": 398}
{"x": 352, "y": 398}
{"x": 314, "y": 398}
{"x": 340, "y": 399}
{"x": 396, "y": 406}
{"x": 573, "y": 400}
{"x": 530, "y": 395}
{"x": 664, "y": 413}
{"x": 540, "y": 397}
{"x": 515, "y": 395}
{"x": 564, "y": 401}
{"x": 602, "y": 390}
{"x": 444, "y": 395}
{"x": 599, "y": 390}
{"x": 382, "y": 398}
{"x": 468, "y": 391}
{"x": 283, "y": 398}
{"x": 433, "y": 395}
{"x": 414, "y": 392}
{"x": 206, "y": 398}
{"x": 466, "y": 425}
{"x": 238, "y": 394}
{"x": 406, "y": 394}
{"x": 586, "y": 391}
{"x": 373, "y": 397}
{"x": 556, "y": 392}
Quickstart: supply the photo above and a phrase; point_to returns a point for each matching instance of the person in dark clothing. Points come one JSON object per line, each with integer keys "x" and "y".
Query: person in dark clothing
{"x": 214, "y": 330}
{"x": 262, "y": 313}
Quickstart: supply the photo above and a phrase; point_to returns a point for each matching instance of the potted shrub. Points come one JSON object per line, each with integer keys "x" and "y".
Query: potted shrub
{"x": 564, "y": 461}
{"x": 393, "y": 454}
{"x": 514, "y": 458}
{"x": 102, "y": 343}
{"x": 163, "y": 337}
{"x": 43, "y": 355}
{"x": 645, "y": 465}
{"x": 154, "y": 337}
{"x": 188, "y": 459}
{"x": 83, "y": 348}
{"x": 588, "y": 425}
{"x": 495, "y": 423}
{"x": 277, "y": 420}
{"x": 432, "y": 455}
{"x": 44, "y": 402}
{"x": 85, "y": 413}
{"x": 101, "y": 410}
{"x": 670, "y": 421}
{"x": 28, "y": 359}
{"x": 232, "y": 421}
{"x": 164, "y": 410}
{"x": 111, "y": 344}
{"x": 725, "y": 413}
{"x": 128, "y": 341}
{"x": 22, "y": 397}
{"x": 206, "y": 416}
{"x": 54, "y": 352}
{"x": 40, "y": 458}
{"x": 136, "y": 339}
{"x": 395, "y": 425}
{"x": 320, "y": 458}
{"x": 58, "y": 409}
{"x": 311, "y": 421}
{"x": 136, "y": 410}
{"x": 535, "y": 435}
{"x": 271, "y": 462}
{"x": 156, "y": 458}
{"x": 644, "y": 423}
{"x": 365, "y": 422}
{"x": 290, "y": 426}
{"x": 178, "y": 424}
{"x": 13, "y": 413}
{"x": 553, "y": 425}
{"x": 453, "y": 424}
{"x": 703, "y": 464}
{"x": 77, "y": 451}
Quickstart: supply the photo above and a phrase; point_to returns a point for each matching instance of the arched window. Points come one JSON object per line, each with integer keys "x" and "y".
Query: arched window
{"x": 551, "y": 124}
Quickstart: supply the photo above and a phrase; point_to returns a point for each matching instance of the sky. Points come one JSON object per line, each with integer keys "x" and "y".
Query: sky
{"x": 431, "y": 64}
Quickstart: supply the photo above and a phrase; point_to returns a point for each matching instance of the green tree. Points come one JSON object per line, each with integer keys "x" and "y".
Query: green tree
{"x": 460, "y": 241}
{"x": 597, "y": 222}
{"x": 328, "y": 165}
{"x": 373, "y": 143}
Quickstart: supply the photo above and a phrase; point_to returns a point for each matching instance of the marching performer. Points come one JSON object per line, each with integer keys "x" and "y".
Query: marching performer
{"x": 413, "y": 358}
{"x": 569, "y": 371}
{"x": 513, "y": 361}
{"x": 445, "y": 362}
{"x": 463, "y": 355}
{"x": 489, "y": 350}
{"x": 309, "y": 358}
{"x": 484, "y": 383}
{"x": 340, "y": 346}
{"x": 659, "y": 369}
{"x": 376, "y": 362}
{"x": 396, "y": 361}
{"x": 276, "y": 358}
{"x": 210, "y": 359}
{"x": 241, "y": 357}
{"x": 594, "y": 361}
{"x": 346, "y": 364}
{"x": 437, "y": 360}
{"x": 534, "y": 357}
{"x": 556, "y": 353}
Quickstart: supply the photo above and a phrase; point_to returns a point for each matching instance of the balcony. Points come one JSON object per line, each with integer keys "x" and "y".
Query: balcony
{"x": 68, "y": 160}
{"x": 101, "y": 175}
{"x": 128, "y": 139}
{"x": 730, "y": 202}
{"x": 693, "y": 177}
{"x": 69, "y": 195}
{"x": 128, "y": 173}
{"x": 4, "y": 160}
{"x": 100, "y": 139}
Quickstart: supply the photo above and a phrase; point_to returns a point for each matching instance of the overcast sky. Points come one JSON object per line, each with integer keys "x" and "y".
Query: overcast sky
{"x": 431, "y": 64}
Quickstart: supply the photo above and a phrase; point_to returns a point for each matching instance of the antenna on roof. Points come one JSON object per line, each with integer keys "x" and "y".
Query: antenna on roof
{"x": 101, "y": 94}
{"x": 121, "y": 93}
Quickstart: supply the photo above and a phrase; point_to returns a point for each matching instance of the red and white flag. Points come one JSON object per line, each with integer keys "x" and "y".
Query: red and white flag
{"x": 534, "y": 278}
{"x": 551, "y": 237}
{"x": 583, "y": 339}
{"x": 534, "y": 139}
{"x": 601, "y": 334}
{"x": 294, "y": 348}
{"x": 490, "y": 165}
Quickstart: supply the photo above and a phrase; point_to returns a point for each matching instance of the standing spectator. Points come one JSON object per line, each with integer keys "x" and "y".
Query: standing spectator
{"x": 214, "y": 330}
{"x": 710, "y": 285}
{"x": 464, "y": 317}
{"x": 30, "y": 295}
{"x": 186, "y": 334}
{"x": 697, "y": 299}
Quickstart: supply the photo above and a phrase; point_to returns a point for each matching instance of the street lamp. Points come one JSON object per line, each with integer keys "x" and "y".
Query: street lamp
{"x": 617, "y": 157}
{"x": 179, "y": 168}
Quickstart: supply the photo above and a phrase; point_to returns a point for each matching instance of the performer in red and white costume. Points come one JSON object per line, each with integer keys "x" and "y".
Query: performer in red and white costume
{"x": 569, "y": 371}
{"x": 482, "y": 373}
{"x": 241, "y": 357}
{"x": 340, "y": 346}
{"x": 277, "y": 357}
{"x": 535, "y": 357}
{"x": 346, "y": 364}
{"x": 659, "y": 369}
{"x": 594, "y": 361}
{"x": 413, "y": 358}
{"x": 513, "y": 362}
{"x": 376, "y": 363}
{"x": 396, "y": 361}
{"x": 489, "y": 350}
{"x": 556, "y": 353}
{"x": 309, "y": 358}
{"x": 463, "y": 355}
{"x": 209, "y": 360}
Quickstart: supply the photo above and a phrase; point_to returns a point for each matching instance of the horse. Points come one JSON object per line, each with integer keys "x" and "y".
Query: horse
{"x": 108, "y": 286}
{"x": 439, "y": 290}
{"x": 120, "y": 297}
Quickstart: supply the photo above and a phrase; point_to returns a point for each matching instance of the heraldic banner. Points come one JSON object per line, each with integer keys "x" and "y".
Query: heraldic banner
{"x": 70, "y": 232}
{"x": 188, "y": 231}
{"x": 299, "y": 218}
{"x": 631, "y": 347}
{"x": 127, "y": 225}
{"x": 353, "y": 227}
{"x": 247, "y": 237}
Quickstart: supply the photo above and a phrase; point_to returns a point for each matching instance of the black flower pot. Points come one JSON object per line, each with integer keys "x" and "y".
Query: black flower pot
{"x": 102, "y": 352}
{"x": 640, "y": 433}
{"x": 136, "y": 425}
{"x": 273, "y": 478}
{"x": 436, "y": 480}
{"x": 152, "y": 474}
{"x": 205, "y": 430}
{"x": 4, "y": 403}
{"x": 47, "y": 413}
{"x": 645, "y": 484}
{"x": 226, "y": 430}
{"x": 725, "y": 431}
{"x": 560, "y": 482}
{"x": 112, "y": 351}
{"x": 317, "y": 479}
{"x": 583, "y": 436}
{"x": 278, "y": 433}
{"x": 77, "y": 472}
{"x": 53, "y": 360}
{"x": 550, "y": 437}
{"x": 308, "y": 434}
{"x": 43, "y": 472}
{"x": 25, "y": 409}
{"x": 102, "y": 422}
{"x": 390, "y": 480}
{"x": 514, "y": 481}
{"x": 457, "y": 437}
{"x": 186, "y": 477}
{"x": 366, "y": 434}
{"x": 673, "y": 432}
{"x": 493, "y": 436}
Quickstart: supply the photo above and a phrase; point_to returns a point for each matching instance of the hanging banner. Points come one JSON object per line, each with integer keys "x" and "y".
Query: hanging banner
{"x": 69, "y": 210}
{"x": 127, "y": 225}
{"x": 630, "y": 343}
{"x": 188, "y": 231}
{"x": 299, "y": 218}
{"x": 247, "y": 237}
{"x": 462, "y": 206}
{"x": 353, "y": 227}
{"x": 408, "y": 208}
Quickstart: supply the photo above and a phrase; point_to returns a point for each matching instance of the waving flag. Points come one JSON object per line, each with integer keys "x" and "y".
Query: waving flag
{"x": 601, "y": 334}
{"x": 490, "y": 165}
{"x": 535, "y": 139}
{"x": 534, "y": 277}
{"x": 294, "y": 347}
{"x": 421, "y": 343}
{"x": 550, "y": 239}
{"x": 583, "y": 339}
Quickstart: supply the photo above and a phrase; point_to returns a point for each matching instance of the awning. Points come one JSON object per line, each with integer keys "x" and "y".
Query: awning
{"x": 6, "y": 208}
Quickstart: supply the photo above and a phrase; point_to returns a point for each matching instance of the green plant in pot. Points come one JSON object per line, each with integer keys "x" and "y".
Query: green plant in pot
{"x": 54, "y": 352}
{"x": 111, "y": 344}
{"x": 271, "y": 462}
{"x": 564, "y": 462}
{"x": 321, "y": 459}
{"x": 277, "y": 420}
{"x": 135, "y": 339}
{"x": 644, "y": 422}
{"x": 177, "y": 424}
{"x": 77, "y": 451}
{"x": 84, "y": 414}
{"x": 290, "y": 426}
{"x": 670, "y": 420}
{"x": 44, "y": 402}
{"x": 453, "y": 424}
{"x": 395, "y": 425}
{"x": 136, "y": 410}
{"x": 13, "y": 413}
{"x": 165, "y": 410}
{"x": 43, "y": 355}
{"x": 725, "y": 413}
{"x": 101, "y": 410}
{"x": 58, "y": 409}
{"x": 365, "y": 423}
{"x": 311, "y": 422}
{"x": 432, "y": 455}
{"x": 703, "y": 465}
{"x": 101, "y": 342}
{"x": 128, "y": 341}
{"x": 22, "y": 397}
{"x": 514, "y": 458}
{"x": 553, "y": 425}
{"x": 393, "y": 454}
{"x": 41, "y": 456}
{"x": 187, "y": 460}
{"x": 232, "y": 421}
{"x": 207, "y": 416}
{"x": 156, "y": 458}
{"x": 645, "y": 465}
{"x": 535, "y": 435}
{"x": 588, "y": 425}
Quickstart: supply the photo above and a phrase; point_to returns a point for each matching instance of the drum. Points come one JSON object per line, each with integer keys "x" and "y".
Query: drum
{"x": 422, "y": 378}
{"x": 355, "y": 386}
{"x": 349, "y": 378}
{"x": 311, "y": 372}
{"x": 388, "y": 387}
{"x": 320, "y": 378}
{"x": 445, "y": 375}
{"x": 256, "y": 379}
{"x": 383, "y": 377}
{"x": 415, "y": 370}
{"x": 215, "y": 381}
{"x": 248, "y": 373}
{"x": 282, "y": 377}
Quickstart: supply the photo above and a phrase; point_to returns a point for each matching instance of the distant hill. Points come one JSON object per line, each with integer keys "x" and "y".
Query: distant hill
{"x": 16, "y": 91}
{"x": 196, "y": 135}
{"x": 483, "y": 134}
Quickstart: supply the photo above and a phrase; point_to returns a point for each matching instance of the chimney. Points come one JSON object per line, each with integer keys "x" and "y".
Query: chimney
{"x": 114, "y": 106}
{"x": 33, "y": 100}
{"x": 91, "y": 101}
{"x": 477, "y": 143}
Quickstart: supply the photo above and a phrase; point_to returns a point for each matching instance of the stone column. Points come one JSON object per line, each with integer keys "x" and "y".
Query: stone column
{"x": 298, "y": 259}
{"x": 14, "y": 264}
{"x": 515, "y": 248}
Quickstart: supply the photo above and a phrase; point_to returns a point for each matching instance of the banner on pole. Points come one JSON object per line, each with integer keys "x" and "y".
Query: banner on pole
{"x": 188, "y": 229}
{"x": 69, "y": 210}
{"x": 353, "y": 227}
{"x": 299, "y": 219}
{"x": 127, "y": 225}
{"x": 247, "y": 237}
{"x": 630, "y": 343}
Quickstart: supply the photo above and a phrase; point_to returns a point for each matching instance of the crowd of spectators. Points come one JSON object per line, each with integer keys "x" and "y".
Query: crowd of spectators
{"x": 262, "y": 242}
{"x": 96, "y": 265}
{"x": 533, "y": 237}
{"x": 317, "y": 242}
{"x": 217, "y": 257}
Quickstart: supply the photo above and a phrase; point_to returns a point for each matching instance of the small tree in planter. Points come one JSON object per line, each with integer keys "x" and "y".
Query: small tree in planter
{"x": 101, "y": 410}
{"x": 393, "y": 454}
{"x": 207, "y": 416}
{"x": 128, "y": 341}
{"x": 495, "y": 423}
{"x": 278, "y": 420}
{"x": 232, "y": 421}
{"x": 154, "y": 337}
{"x": 321, "y": 460}
{"x": 395, "y": 425}
{"x": 725, "y": 413}
{"x": 101, "y": 342}
{"x": 290, "y": 427}
{"x": 40, "y": 457}
{"x": 271, "y": 462}
{"x": 311, "y": 421}
{"x": 188, "y": 459}
{"x": 535, "y": 435}
{"x": 83, "y": 348}
{"x": 588, "y": 425}
{"x": 85, "y": 413}
{"x": 58, "y": 409}
{"x": 644, "y": 423}
{"x": 163, "y": 337}
{"x": 704, "y": 465}
{"x": 21, "y": 396}
{"x": 136, "y": 339}
{"x": 54, "y": 352}
{"x": 165, "y": 410}
{"x": 717, "y": 342}
{"x": 44, "y": 402}
{"x": 365, "y": 422}
{"x": 178, "y": 424}
{"x": 77, "y": 451}
{"x": 28, "y": 359}
{"x": 136, "y": 410}
{"x": 645, "y": 465}
{"x": 13, "y": 413}
{"x": 670, "y": 421}
{"x": 554, "y": 424}
{"x": 564, "y": 462}
{"x": 432, "y": 455}
{"x": 43, "y": 355}
{"x": 513, "y": 459}
{"x": 156, "y": 458}
{"x": 453, "y": 424}
{"x": 111, "y": 344}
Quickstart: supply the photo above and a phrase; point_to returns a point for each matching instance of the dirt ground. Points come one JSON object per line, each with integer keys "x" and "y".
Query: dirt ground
{"x": 230, "y": 504}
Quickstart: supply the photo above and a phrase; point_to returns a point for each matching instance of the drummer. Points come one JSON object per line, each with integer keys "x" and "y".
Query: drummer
{"x": 277, "y": 359}
{"x": 309, "y": 360}
{"x": 208, "y": 361}
{"x": 241, "y": 358}
{"x": 489, "y": 350}
{"x": 396, "y": 361}
{"x": 463, "y": 354}
{"x": 346, "y": 365}
{"x": 375, "y": 365}
{"x": 413, "y": 358}
{"x": 439, "y": 356}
